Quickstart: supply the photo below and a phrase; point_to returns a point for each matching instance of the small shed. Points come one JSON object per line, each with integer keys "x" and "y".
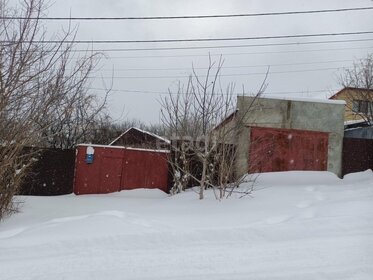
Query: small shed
{"x": 138, "y": 138}
{"x": 105, "y": 169}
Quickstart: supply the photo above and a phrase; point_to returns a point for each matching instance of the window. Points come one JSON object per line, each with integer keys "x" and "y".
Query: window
{"x": 362, "y": 106}
{"x": 355, "y": 106}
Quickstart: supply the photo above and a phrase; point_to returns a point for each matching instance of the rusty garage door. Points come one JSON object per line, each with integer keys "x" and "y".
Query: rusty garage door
{"x": 105, "y": 169}
{"x": 274, "y": 149}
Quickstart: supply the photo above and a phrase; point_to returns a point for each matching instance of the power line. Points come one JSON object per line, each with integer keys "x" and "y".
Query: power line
{"x": 195, "y": 39}
{"x": 233, "y": 54}
{"x": 195, "y": 16}
{"x": 237, "y": 93}
{"x": 225, "y": 46}
{"x": 222, "y": 75}
{"x": 228, "y": 67}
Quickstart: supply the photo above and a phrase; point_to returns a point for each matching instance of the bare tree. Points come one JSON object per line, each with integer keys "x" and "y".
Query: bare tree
{"x": 42, "y": 88}
{"x": 360, "y": 79}
{"x": 191, "y": 116}
{"x": 74, "y": 119}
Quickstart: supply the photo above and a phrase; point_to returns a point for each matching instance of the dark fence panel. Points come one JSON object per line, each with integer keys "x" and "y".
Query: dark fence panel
{"x": 51, "y": 174}
{"x": 357, "y": 155}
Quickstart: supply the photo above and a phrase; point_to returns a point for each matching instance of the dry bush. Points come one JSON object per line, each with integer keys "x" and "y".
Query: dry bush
{"x": 191, "y": 115}
{"x": 43, "y": 93}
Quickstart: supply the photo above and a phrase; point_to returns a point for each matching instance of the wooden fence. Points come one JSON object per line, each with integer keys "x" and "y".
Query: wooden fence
{"x": 51, "y": 174}
{"x": 357, "y": 155}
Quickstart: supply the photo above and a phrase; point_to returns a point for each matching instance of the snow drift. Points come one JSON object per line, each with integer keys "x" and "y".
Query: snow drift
{"x": 296, "y": 225}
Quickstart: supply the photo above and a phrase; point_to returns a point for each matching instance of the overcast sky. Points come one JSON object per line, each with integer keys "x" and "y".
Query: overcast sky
{"x": 140, "y": 77}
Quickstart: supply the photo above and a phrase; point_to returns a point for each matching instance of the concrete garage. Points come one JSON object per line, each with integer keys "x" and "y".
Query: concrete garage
{"x": 289, "y": 134}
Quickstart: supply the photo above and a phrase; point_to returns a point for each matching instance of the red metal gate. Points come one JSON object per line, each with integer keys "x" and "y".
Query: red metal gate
{"x": 116, "y": 168}
{"x": 274, "y": 149}
{"x": 110, "y": 174}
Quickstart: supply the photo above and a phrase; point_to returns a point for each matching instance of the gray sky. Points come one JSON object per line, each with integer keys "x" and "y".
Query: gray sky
{"x": 297, "y": 70}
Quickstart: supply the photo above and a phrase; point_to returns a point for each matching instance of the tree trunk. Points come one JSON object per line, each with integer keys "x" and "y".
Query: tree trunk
{"x": 203, "y": 178}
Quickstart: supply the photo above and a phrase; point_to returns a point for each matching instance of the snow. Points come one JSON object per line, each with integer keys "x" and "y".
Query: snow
{"x": 90, "y": 150}
{"x": 304, "y": 99}
{"x": 123, "y": 147}
{"x": 362, "y": 121}
{"x": 295, "y": 225}
{"x": 154, "y": 135}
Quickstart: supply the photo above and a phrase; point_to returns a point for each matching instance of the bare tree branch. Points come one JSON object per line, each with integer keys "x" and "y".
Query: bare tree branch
{"x": 42, "y": 101}
{"x": 195, "y": 119}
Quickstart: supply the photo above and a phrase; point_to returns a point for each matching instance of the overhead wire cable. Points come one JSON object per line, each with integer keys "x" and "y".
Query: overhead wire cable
{"x": 224, "y": 46}
{"x": 240, "y": 15}
{"x": 236, "y": 93}
{"x": 195, "y": 39}
{"x": 222, "y": 75}
{"x": 228, "y": 67}
{"x": 233, "y": 54}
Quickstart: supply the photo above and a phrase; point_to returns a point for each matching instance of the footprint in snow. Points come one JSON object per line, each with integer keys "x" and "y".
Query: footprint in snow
{"x": 53, "y": 222}
{"x": 320, "y": 196}
{"x": 67, "y": 219}
{"x": 12, "y": 232}
{"x": 277, "y": 219}
{"x": 310, "y": 188}
{"x": 113, "y": 213}
{"x": 116, "y": 214}
{"x": 304, "y": 204}
{"x": 307, "y": 214}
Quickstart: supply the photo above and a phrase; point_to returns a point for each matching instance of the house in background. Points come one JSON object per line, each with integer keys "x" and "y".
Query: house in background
{"x": 138, "y": 138}
{"x": 358, "y": 112}
{"x": 359, "y": 104}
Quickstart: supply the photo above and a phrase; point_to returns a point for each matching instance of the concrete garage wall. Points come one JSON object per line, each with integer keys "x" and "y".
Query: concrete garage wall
{"x": 314, "y": 115}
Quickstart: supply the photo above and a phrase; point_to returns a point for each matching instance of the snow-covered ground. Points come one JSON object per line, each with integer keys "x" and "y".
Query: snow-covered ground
{"x": 297, "y": 225}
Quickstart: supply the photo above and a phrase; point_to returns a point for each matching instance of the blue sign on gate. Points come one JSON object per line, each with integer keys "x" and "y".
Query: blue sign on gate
{"x": 90, "y": 155}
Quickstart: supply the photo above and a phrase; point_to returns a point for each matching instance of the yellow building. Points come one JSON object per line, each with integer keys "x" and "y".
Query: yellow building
{"x": 359, "y": 103}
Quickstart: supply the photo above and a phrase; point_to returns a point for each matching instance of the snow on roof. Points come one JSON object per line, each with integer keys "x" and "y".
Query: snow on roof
{"x": 154, "y": 135}
{"x": 304, "y": 99}
{"x": 123, "y": 147}
{"x": 354, "y": 122}
{"x": 143, "y": 131}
